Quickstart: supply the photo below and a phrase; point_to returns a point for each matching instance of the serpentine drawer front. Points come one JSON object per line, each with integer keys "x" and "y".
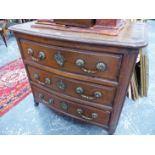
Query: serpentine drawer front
{"x": 84, "y": 91}
{"x": 84, "y": 76}
{"x": 75, "y": 61}
{"x": 90, "y": 114}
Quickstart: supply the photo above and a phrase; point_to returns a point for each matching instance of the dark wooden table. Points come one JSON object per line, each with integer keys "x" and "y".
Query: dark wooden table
{"x": 82, "y": 75}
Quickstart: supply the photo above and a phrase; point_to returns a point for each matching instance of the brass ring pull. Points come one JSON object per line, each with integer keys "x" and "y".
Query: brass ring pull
{"x": 64, "y": 105}
{"x": 88, "y": 71}
{"x": 80, "y": 91}
{"x": 42, "y": 83}
{"x": 100, "y": 66}
{"x": 87, "y": 97}
{"x": 41, "y": 55}
{"x": 93, "y": 115}
{"x": 47, "y": 80}
{"x": 50, "y": 101}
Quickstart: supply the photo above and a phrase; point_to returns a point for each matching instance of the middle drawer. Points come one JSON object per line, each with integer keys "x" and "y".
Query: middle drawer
{"x": 85, "y": 91}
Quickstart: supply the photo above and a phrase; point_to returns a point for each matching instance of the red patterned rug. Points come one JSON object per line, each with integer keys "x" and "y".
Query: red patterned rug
{"x": 14, "y": 85}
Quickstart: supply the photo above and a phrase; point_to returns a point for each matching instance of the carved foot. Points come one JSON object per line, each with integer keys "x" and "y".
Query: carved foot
{"x": 111, "y": 131}
{"x": 36, "y": 103}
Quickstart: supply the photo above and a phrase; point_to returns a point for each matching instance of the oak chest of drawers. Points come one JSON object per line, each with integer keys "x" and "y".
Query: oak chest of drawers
{"x": 82, "y": 75}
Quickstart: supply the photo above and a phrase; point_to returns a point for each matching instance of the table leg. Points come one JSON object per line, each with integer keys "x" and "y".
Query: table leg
{"x": 3, "y": 38}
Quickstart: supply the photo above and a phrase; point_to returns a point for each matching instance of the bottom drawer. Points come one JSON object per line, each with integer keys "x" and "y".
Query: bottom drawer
{"x": 85, "y": 113}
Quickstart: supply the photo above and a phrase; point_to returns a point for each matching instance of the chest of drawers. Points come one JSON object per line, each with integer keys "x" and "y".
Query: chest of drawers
{"x": 81, "y": 75}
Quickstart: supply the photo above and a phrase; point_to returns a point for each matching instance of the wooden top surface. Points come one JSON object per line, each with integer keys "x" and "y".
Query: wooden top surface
{"x": 133, "y": 35}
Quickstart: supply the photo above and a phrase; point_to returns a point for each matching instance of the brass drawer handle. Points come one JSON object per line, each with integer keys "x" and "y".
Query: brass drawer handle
{"x": 47, "y": 80}
{"x": 100, "y": 67}
{"x": 64, "y": 105}
{"x": 80, "y": 91}
{"x": 50, "y": 101}
{"x": 41, "y": 55}
{"x": 59, "y": 58}
{"x": 93, "y": 115}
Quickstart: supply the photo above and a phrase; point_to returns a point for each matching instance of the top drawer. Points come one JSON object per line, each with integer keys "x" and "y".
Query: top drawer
{"x": 88, "y": 63}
